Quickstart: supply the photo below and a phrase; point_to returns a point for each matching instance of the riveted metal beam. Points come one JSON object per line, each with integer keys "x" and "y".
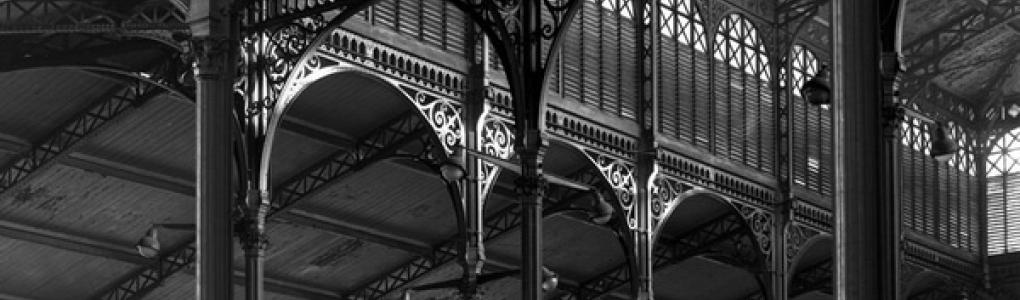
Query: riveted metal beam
{"x": 376, "y": 145}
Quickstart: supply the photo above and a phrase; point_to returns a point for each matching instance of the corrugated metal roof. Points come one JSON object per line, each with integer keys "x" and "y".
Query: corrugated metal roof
{"x": 71, "y": 200}
{"x": 570, "y": 247}
{"x": 36, "y": 102}
{"x": 50, "y": 273}
{"x": 300, "y": 254}
{"x": 159, "y": 134}
{"x": 388, "y": 196}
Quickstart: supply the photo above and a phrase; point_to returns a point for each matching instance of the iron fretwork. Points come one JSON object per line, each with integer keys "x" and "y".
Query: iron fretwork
{"x": 377, "y": 145}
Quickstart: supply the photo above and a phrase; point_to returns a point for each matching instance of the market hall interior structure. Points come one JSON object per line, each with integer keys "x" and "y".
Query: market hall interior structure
{"x": 509, "y": 149}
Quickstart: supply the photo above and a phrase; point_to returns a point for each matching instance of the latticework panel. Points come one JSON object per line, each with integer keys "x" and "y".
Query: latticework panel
{"x": 684, "y": 70}
{"x": 598, "y": 62}
{"x": 742, "y": 125}
{"x": 812, "y": 132}
{"x": 1003, "y": 200}
{"x": 435, "y": 23}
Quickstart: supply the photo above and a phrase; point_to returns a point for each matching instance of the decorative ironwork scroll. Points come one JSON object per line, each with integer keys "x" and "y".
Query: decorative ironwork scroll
{"x": 666, "y": 193}
{"x": 620, "y": 176}
{"x": 796, "y": 237}
{"x": 759, "y": 222}
{"x": 496, "y": 138}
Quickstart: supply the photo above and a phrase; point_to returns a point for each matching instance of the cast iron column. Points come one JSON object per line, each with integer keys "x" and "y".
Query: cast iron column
{"x": 863, "y": 208}
{"x": 251, "y": 235}
{"x": 531, "y": 145}
{"x": 531, "y": 188}
{"x": 647, "y": 12}
{"x": 214, "y": 75}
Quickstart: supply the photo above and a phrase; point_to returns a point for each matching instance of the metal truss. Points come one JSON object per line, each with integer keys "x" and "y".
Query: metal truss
{"x": 89, "y": 16}
{"x": 817, "y": 277}
{"x": 497, "y": 224}
{"x": 378, "y": 144}
{"x": 925, "y": 52}
{"x": 723, "y": 230}
{"x": 86, "y": 123}
{"x": 383, "y": 142}
{"x": 148, "y": 278}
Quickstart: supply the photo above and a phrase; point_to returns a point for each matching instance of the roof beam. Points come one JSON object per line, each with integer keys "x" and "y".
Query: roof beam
{"x": 374, "y": 146}
{"x": 145, "y": 175}
{"x": 72, "y": 242}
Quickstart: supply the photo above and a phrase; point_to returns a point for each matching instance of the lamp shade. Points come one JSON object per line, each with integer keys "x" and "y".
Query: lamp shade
{"x": 943, "y": 146}
{"x": 549, "y": 279}
{"x": 817, "y": 90}
{"x": 452, "y": 169}
{"x": 148, "y": 246}
{"x": 603, "y": 210}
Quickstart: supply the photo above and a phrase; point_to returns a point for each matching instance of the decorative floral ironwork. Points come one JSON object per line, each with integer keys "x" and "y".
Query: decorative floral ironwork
{"x": 443, "y": 114}
{"x": 620, "y": 175}
{"x": 796, "y": 236}
{"x": 496, "y": 138}
{"x": 665, "y": 193}
{"x": 760, "y": 223}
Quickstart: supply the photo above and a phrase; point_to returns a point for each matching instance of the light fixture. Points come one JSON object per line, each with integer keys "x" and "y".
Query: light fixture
{"x": 452, "y": 169}
{"x": 603, "y": 210}
{"x": 550, "y": 280}
{"x": 943, "y": 146}
{"x": 817, "y": 90}
{"x": 148, "y": 245}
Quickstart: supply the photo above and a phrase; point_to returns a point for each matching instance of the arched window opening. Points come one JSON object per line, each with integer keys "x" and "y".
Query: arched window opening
{"x": 742, "y": 103}
{"x": 1004, "y": 194}
{"x": 737, "y": 42}
{"x": 680, "y": 20}
{"x": 684, "y": 97}
{"x": 812, "y": 128}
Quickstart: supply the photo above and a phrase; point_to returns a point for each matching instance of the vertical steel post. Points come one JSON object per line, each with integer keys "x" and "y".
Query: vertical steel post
{"x": 211, "y": 27}
{"x": 865, "y": 212}
{"x": 647, "y": 21}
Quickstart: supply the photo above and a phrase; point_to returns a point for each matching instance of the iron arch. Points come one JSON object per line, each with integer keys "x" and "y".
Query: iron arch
{"x": 453, "y": 137}
{"x": 720, "y": 226}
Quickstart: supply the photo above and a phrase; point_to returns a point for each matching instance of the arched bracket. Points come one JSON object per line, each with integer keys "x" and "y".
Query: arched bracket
{"x": 619, "y": 174}
{"x": 495, "y": 138}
